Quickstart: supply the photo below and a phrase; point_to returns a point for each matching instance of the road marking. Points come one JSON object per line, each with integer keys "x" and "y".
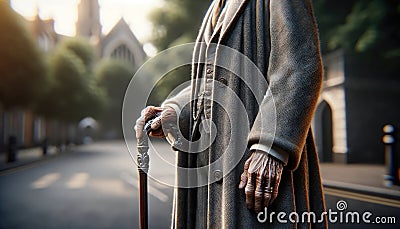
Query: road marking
{"x": 362, "y": 197}
{"x": 45, "y": 181}
{"x": 114, "y": 187}
{"x": 78, "y": 180}
{"x": 128, "y": 178}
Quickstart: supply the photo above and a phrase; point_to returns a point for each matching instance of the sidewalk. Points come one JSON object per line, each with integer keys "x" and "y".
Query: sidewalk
{"x": 361, "y": 178}
{"x": 27, "y": 156}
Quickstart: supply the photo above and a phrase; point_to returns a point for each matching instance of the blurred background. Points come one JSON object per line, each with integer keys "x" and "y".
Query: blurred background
{"x": 64, "y": 69}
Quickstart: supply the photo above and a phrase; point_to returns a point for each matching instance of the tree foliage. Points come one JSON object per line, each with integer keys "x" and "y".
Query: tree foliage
{"x": 176, "y": 22}
{"x": 368, "y": 32}
{"x": 168, "y": 81}
{"x": 81, "y": 48}
{"x": 22, "y": 66}
{"x": 73, "y": 94}
{"x": 366, "y": 27}
{"x": 177, "y": 19}
{"x": 114, "y": 77}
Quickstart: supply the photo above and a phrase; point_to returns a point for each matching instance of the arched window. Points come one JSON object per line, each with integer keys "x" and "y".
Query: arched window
{"x": 122, "y": 52}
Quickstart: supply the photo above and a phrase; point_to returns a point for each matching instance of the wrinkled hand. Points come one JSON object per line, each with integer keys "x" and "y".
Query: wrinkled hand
{"x": 261, "y": 178}
{"x": 159, "y": 124}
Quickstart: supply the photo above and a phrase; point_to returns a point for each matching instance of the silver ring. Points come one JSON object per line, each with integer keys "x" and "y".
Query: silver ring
{"x": 269, "y": 189}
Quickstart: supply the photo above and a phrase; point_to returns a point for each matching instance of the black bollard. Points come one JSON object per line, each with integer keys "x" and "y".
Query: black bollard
{"x": 45, "y": 146}
{"x": 389, "y": 139}
{"x": 12, "y": 149}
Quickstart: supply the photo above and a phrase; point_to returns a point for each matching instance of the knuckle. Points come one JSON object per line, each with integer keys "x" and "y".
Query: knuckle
{"x": 259, "y": 189}
{"x": 259, "y": 177}
{"x": 248, "y": 190}
{"x": 258, "y": 194}
{"x": 267, "y": 196}
{"x": 249, "y": 179}
{"x": 267, "y": 178}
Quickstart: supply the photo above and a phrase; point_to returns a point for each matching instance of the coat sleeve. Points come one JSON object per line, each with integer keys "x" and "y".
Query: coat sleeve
{"x": 181, "y": 104}
{"x": 179, "y": 101}
{"x": 294, "y": 75}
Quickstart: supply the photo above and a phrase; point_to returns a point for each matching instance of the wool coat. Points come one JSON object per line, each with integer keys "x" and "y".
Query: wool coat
{"x": 280, "y": 37}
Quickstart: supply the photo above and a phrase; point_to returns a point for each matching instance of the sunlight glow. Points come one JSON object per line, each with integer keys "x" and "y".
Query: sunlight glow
{"x": 64, "y": 12}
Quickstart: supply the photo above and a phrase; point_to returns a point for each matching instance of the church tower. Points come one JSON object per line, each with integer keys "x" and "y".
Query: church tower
{"x": 88, "y": 23}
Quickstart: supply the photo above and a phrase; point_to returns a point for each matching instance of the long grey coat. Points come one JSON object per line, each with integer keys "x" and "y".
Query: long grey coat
{"x": 280, "y": 38}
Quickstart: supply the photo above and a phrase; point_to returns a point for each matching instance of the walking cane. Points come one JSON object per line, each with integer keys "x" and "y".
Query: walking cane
{"x": 143, "y": 168}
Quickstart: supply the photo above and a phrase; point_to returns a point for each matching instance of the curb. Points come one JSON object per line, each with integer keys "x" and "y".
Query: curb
{"x": 389, "y": 193}
{"x": 10, "y": 167}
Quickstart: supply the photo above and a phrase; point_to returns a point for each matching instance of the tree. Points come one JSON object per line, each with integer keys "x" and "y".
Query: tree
{"x": 367, "y": 30}
{"x": 176, "y": 19}
{"x": 361, "y": 26}
{"x": 172, "y": 79}
{"x": 73, "y": 94}
{"x": 329, "y": 15}
{"x": 114, "y": 77}
{"x": 177, "y": 22}
{"x": 81, "y": 48}
{"x": 22, "y": 66}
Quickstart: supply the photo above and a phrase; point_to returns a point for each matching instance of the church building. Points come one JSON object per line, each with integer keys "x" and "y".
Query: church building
{"x": 119, "y": 43}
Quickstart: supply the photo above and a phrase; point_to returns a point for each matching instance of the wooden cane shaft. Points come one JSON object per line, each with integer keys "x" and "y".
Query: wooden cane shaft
{"x": 143, "y": 207}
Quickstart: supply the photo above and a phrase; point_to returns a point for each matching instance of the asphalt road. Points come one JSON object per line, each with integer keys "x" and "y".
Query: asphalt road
{"x": 95, "y": 186}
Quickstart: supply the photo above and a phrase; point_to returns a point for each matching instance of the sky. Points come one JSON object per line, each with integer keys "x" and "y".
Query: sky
{"x": 64, "y": 12}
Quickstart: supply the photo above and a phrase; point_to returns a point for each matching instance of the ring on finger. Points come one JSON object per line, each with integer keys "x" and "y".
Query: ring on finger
{"x": 269, "y": 189}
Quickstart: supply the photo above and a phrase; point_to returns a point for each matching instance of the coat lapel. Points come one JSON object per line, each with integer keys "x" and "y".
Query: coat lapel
{"x": 232, "y": 12}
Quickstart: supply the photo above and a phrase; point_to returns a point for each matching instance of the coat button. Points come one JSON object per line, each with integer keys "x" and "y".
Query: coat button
{"x": 223, "y": 81}
{"x": 209, "y": 71}
{"x": 218, "y": 175}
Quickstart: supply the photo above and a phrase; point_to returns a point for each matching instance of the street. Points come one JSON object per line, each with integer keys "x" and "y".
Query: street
{"x": 93, "y": 187}
{"x": 96, "y": 186}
